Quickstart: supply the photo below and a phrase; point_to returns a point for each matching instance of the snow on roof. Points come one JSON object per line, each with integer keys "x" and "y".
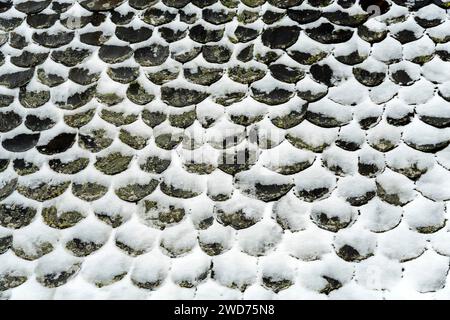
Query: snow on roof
{"x": 228, "y": 149}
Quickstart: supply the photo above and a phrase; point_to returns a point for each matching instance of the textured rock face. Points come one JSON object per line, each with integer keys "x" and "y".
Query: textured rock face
{"x": 238, "y": 149}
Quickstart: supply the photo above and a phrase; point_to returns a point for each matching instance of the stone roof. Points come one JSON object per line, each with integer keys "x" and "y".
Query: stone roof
{"x": 232, "y": 149}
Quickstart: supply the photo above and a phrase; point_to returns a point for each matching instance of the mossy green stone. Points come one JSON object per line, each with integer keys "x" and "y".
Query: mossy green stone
{"x": 155, "y": 164}
{"x": 138, "y": 95}
{"x": 8, "y": 188}
{"x": 70, "y": 167}
{"x": 135, "y": 141}
{"x": 113, "y": 163}
{"x": 89, "y": 191}
{"x": 183, "y": 120}
{"x": 10, "y": 281}
{"x": 245, "y": 75}
{"x": 118, "y": 118}
{"x": 95, "y": 141}
{"x": 33, "y": 99}
{"x": 114, "y": 220}
{"x": 162, "y": 76}
{"x": 80, "y": 248}
{"x": 16, "y": 216}
{"x": 109, "y": 99}
{"x": 41, "y": 249}
{"x": 78, "y": 120}
{"x": 43, "y": 191}
{"x": 153, "y": 118}
{"x": 61, "y": 220}
{"x": 137, "y": 191}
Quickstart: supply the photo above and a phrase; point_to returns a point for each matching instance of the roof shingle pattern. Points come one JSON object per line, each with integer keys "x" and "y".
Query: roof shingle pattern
{"x": 224, "y": 149}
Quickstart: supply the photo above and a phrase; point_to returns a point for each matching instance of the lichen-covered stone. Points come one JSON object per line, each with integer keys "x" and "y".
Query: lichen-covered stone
{"x": 187, "y": 55}
{"x": 162, "y": 216}
{"x": 133, "y": 140}
{"x": 80, "y": 248}
{"x": 9, "y": 24}
{"x": 57, "y": 279}
{"x": 35, "y": 123}
{"x": 154, "y": 164}
{"x": 137, "y": 191}
{"x": 247, "y": 16}
{"x": 9, "y": 120}
{"x": 153, "y": 55}
{"x": 5, "y": 243}
{"x": 113, "y": 163}
{"x": 113, "y": 220}
{"x": 114, "y": 54}
{"x": 152, "y": 119}
{"x": 171, "y": 35}
{"x": 276, "y": 285}
{"x": 291, "y": 119}
{"x": 368, "y": 78}
{"x": 3, "y": 164}
{"x": 123, "y": 74}
{"x": 245, "y": 75}
{"x": 236, "y": 219}
{"x": 30, "y": 7}
{"x": 274, "y": 97}
{"x": 83, "y": 76}
{"x": 77, "y": 99}
{"x": 138, "y": 94}
{"x": 49, "y": 79}
{"x": 177, "y": 192}
{"x": 8, "y": 187}
{"x": 95, "y": 38}
{"x": 16, "y": 79}
{"x": 95, "y": 141}
{"x": 132, "y": 35}
{"x": 11, "y": 280}
{"x": 41, "y": 20}
{"x": 201, "y": 34}
{"x": 212, "y": 248}
{"x": 39, "y": 249}
{"x": 53, "y": 40}
{"x": 5, "y": 100}
{"x": 157, "y": 17}
{"x": 203, "y": 76}
{"x": 118, "y": 118}
{"x": 234, "y": 162}
{"x": 60, "y": 220}
{"x": 24, "y": 168}
{"x": 183, "y": 120}
{"x": 327, "y": 33}
{"x": 285, "y": 73}
{"x": 392, "y": 198}
{"x": 43, "y": 191}
{"x": 216, "y": 53}
{"x": 77, "y": 120}
{"x": 182, "y": 97}
{"x": 163, "y": 76}
{"x": 244, "y": 34}
{"x": 16, "y": 216}
{"x": 69, "y": 167}
{"x": 28, "y": 59}
{"x": 217, "y": 17}
{"x": 121, "y": 18}
{"x": 33, "y": 99}
{"x": 89, "y": 191}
